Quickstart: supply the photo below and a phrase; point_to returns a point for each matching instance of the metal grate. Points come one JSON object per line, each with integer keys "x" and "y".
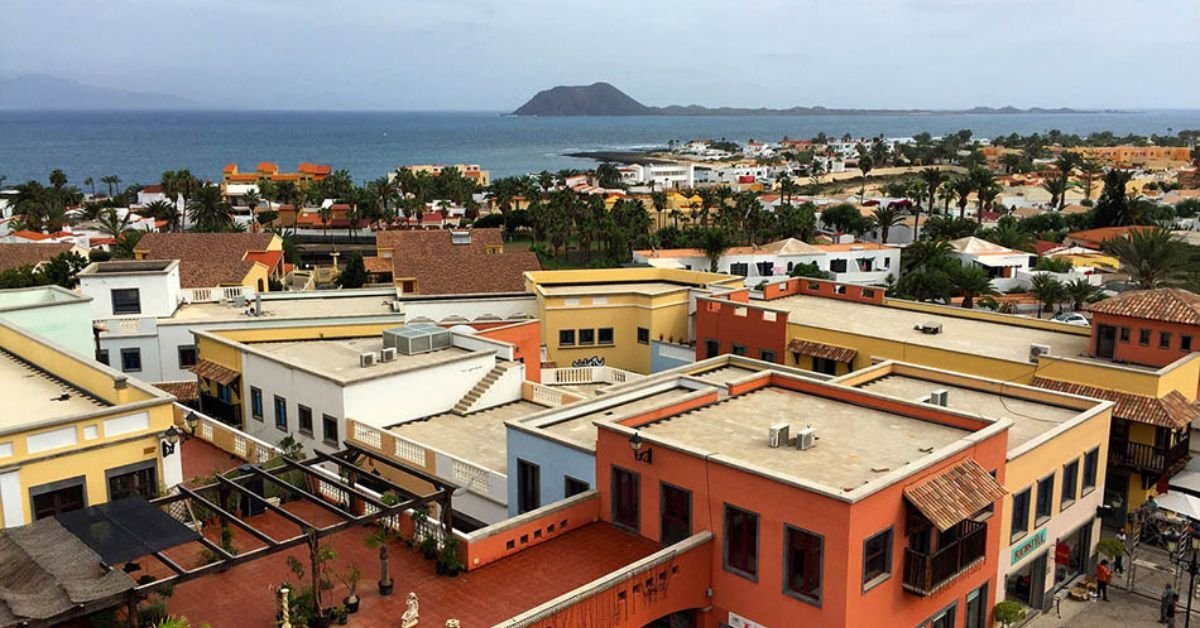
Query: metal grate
{"x": 410, "y": 452}
{"x": 472, "y": 477}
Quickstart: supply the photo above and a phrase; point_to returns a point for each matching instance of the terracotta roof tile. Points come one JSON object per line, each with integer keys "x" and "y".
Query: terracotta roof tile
{"x": 16, "y": 255}
{"x": 954, "y": 494}
{"x": 1172, "y": 410}
{"x": 821, "y": 350}
{"x": 441, "y": 267}
{"x": 377, "y": 265}
{"x": 1093, "y": 238}
{"x": 215, "y": 372}
{"x": 206, "y": 260}
{"x": 183, "y": 391}
{"x": 1170, "y": 305}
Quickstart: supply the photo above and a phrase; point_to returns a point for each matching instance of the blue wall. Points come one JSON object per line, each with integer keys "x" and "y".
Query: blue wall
{"x": 556, "y": 461}
{"x": 660, "y": 362}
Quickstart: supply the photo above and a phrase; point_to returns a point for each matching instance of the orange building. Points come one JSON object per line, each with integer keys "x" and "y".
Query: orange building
{"x": 1149, "y": 327}
{"x": 1136, "y": 155}
{"x": 873, "y": 511}
{"x": 305, "y": 173}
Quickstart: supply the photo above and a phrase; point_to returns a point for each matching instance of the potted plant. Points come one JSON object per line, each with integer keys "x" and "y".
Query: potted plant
{"x": 429, "y": 547}
{"x": 448, "y": 559}
{"x": 350, "y": 578}
{"x": 342, "y": 614}
{"x": 1008, "y": 613}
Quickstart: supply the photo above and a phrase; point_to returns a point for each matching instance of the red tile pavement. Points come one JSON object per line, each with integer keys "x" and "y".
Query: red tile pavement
{"x": 242, "y": 596}
{"x": 201, "y": 458}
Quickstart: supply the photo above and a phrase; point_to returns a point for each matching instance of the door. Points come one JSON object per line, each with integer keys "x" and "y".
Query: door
{"x": 1037, "y": 581}
{"x": 58, "y": 501}
{"x": 711, "y": 348}
{"x": 1106, "y": 341}
{"x": 143, "y": 482}
{"x": 676, "y": 514}
{"x": 529, "y": 486}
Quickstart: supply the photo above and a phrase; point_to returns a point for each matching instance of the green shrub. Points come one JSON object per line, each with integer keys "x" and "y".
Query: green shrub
{"x": 1009, "y": 613}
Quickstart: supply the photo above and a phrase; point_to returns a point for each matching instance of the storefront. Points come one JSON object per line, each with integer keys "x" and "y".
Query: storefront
{"x": 1072, "y": 555}
{"x": 1027, "y": 583}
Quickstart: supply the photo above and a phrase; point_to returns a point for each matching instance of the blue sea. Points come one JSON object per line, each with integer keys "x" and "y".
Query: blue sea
{"x": 139, "y": 146}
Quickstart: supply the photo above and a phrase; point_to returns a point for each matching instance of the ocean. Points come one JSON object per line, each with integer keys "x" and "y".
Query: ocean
{"x": 139, "y": 146}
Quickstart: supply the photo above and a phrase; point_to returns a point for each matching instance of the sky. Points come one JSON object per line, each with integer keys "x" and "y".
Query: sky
{"x": 494, "y": 55}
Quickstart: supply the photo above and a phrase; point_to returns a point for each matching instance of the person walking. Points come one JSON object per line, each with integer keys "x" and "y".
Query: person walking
{"x": 1169, "y": 612}
{"x": 1103, "y": 575}
{"x": 1167, "y": 601}
{"x": 1119, "y": 560}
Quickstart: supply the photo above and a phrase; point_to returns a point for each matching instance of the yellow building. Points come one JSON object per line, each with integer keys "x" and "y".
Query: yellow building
{"x": 836, "y": 328}
{"x": 218, "y": 260}
{"x": 613, "y": 316}
{"x": 470, "y": 171}
{"x": 76, "y": 433}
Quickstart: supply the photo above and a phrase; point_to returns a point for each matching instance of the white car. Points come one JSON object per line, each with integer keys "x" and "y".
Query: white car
{"x": 1072, "y": 318}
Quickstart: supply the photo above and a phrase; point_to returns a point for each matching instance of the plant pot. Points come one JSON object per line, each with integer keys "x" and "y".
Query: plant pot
{"x": 441, "y": 567}
{"x": 386, "y": 588}
{"x": 351, "y": 604}
{"x": 342, "y": 618}
{"x": 454, "y": 571}
{"x": 321, "y": 621}
{"x": 429, "y": 554}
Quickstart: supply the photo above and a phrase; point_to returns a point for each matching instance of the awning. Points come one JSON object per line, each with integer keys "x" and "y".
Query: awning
{"x": 126, "y": 529}
{"x": 215, "y": 372}
{"x": 1180, "y": 503}
{"x": 822, "y": 350}
{"x": 955, "y": 494}
{"x": 1186, "y": 482}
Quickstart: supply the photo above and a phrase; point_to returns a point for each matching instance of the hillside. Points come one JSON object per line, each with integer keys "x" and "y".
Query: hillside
{"x": 597, "y": 99}
{"x": 42, "y": 92}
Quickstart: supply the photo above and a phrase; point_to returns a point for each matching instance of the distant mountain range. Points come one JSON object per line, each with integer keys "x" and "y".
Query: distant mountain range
{"x": 42, "y": 92}
{"x": 602, "y": 99}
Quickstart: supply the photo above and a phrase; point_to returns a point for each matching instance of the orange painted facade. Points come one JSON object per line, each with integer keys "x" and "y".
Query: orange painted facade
{"x": 526, "y": 337}
{"x": 729, "y": 326}
{"x": 1142, "y": 341}
{"x": 843, "y": 526}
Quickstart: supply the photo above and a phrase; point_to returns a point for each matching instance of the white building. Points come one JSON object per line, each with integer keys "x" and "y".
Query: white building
{"x": 664, "y": 176}
{"x": 851, "y": 262}
{"x": 1001, "y": 264}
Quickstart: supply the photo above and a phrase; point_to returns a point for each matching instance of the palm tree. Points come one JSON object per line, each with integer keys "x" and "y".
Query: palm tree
{"x": 1066, "y": 162}
{"x": 326, "y": 214}
{"x": 983, "y": 181}
{"x": 865, "y": 165}
{"x": 1010, "y": 236}
{"x": 1153, "y": 258}
{"x": 971, "y": 282}
{"x": 252, "y": 201}
{"x": 659, "y": 199}
{"x": 1079, "y": 291}
{"x": 933, "y": 178}
{"x": 1089, "y": 171}
{"x": 208, "y": 210}
{"x": 110, "y": 180}
{"x": 1048, "y": 291}
{"x": 885, "y": 218}
{"x": 90, "y": 182}
{"x": 1057, "y": 189}
{"x": 112, "y": 224}
{"x": 714, "y": 242}
{"x": 962, "y": 186}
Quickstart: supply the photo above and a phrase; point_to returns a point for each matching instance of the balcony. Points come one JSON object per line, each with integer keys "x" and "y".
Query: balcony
{"x": 1148, "y": 459}
{"x": 926, "y": 574}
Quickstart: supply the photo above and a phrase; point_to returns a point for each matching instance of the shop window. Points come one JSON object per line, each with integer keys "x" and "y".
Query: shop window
{"x": 802, "y": 566}
{"x": 741, "y": 542}
{"x": 877, "y": 558}
{"x": 977, "y": 608}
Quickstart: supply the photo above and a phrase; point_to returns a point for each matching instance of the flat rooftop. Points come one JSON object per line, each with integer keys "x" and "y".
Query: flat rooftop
{"x": 338, "y": 358}
{"x": 646, "y": 288}
{"x": 323, "y": 306}
{"x": 582, "y": 429}
{"x": 1030, "y": 418}
{"x": 995, "y": 340}
{"x": 855, "y": 444}
{"x": 31, "y": 395}
{"x": 723, "y": 375}
{"x": 478, "y": 438}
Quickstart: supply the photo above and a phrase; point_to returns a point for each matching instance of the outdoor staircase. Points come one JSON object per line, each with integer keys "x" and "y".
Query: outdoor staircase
{"x": 467, "y": 404}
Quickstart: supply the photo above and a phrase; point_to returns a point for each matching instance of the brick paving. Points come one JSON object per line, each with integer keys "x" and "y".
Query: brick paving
{"x": 201, "y": 458}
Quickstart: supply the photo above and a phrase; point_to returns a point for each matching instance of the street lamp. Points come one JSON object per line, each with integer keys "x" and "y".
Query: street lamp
{"x": 635, "y": 443}
{"x": 1189, "y": 561}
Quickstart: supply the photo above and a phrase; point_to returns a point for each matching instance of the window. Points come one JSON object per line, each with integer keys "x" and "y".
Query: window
{"x": 1070, "y": 481}
{"x": 1124, "y": 334}
{"x": 676, "y": 512}
{"x": 712, "y": 348}
{"x": 1045, "y": 500}
{"x": 529, "y": 486}
{"x": 587, "y": 336}
{"x": 605, "y": 335}
{"x": 102, "y": 357}
{"x": 802, "y": 564}
{"x": 766, "y": 356}
{"x": 56, "y": 498}
{"x": 877, "y": 558}
{"x": 256, "y": 407}
{"x": 281, "y": 413}
{"x": 824, "y": 365}
{"x": 304, "y": 414}
{"x": 140, "y": 479}
{"x": 1091, "y": 463}
{"x": 573, "y": 486}
{"x": 224, "y": 393}
{"x": 741, "y": 542}
{"x": 1020, "y": 514}
{"x": 626, "y": 498}
{"x": 1185, "y": 343}
{"x": 739, "y": 349}
{"x": 329, "y": 429}
{"x": 977, "y": 608}
{"x": 1144, "y": 337}
{"x": 1164, "y": 340}
{"x": 739, "y": 268}
{"x": 643, "y": 335}
{"x": 942, "y": 619}
{"x": 131, "y": 360}
{"x": 837, "y": 266}
{"x": 126, "y": 301}
{"x": 566, "y": 337}
{"x": 187, "y": 356}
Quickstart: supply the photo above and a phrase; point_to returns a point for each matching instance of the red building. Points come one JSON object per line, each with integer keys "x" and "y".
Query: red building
{"x": 1149, "y": 327}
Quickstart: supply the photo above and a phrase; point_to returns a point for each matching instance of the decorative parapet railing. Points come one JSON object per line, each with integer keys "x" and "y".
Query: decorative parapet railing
{"x": 214, "y": 295}
{"x": 587, "y": 375}
{"x": 129, "y": 326}
{"x": 227, "y": 438}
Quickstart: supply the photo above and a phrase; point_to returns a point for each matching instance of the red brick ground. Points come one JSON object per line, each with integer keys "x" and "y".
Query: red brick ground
{"x": 241, "y": 597}
{"x": 201, "y": 458}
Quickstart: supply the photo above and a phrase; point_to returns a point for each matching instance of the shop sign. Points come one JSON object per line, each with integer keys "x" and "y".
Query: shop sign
{"x": 737, "y": 621}
{"x": 1028, "y": 546}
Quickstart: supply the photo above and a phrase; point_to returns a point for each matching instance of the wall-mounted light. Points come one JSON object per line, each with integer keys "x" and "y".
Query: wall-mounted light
{"x": 641, "y": 455}
{"x": 170, "y": 439}
{"x": 191, "y": 421}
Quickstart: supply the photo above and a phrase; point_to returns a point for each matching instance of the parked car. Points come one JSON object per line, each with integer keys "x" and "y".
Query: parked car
{"x": 1072, "y": 318}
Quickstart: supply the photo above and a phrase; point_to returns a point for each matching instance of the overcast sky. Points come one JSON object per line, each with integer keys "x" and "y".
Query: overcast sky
{"x": 493, "y": 55}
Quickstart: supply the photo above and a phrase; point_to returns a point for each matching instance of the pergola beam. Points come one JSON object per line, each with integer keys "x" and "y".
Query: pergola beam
{"x": 279, "y": 510}
{"x": 320, "y": 501}
{"x": 228, "y": 516}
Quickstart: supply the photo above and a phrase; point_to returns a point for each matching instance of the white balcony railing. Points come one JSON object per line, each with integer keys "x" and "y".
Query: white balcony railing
{"x": 215, "y": 295}
{"x": 587, "y": 375}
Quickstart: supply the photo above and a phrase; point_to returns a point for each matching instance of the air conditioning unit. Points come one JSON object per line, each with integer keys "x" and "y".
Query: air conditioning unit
{"x": 939, "y": 397}
{"x": 1036, "y": 350}
{"x": 387, "y": 354}
{"x": 240, "y": 300}
{"x": 929, "y": 328}
{"x": 778, "y": 435}
{"x": 806, "y": 438}
{"x": 366, "y": 359}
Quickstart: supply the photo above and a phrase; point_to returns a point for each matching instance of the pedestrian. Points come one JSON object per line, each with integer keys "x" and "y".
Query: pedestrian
{"x": 1166, "y": 601}
{"x": 1103, "y": 575}
{"x": 1119, "y": 560}
{"x": 1169, "y": 612}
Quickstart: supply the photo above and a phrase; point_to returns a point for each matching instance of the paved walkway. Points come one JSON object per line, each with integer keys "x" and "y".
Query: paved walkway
{"x": 1124, "y": 610}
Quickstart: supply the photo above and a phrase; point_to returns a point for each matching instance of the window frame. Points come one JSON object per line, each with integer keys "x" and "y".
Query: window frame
{"x": 1066, "y": 503}
{"x": 766, "y": 355}
{"x": 590, "y": 333}
{"x": 643, "y": 336}
{"x": 280, "y": 402}
{"x": 1123, "y": 335}
{"x": 636, "y": 482}
{"x": 1015, "y": 534}
{"x": 726, "y": 546}
{"x": 1144, "y": 337}
{"x": 326, "y": 419}
{"x": 179, "y": 352}
{"x": 738, "y": 349}
{"x": 600, "y": 333}
{"x": 301, "y": 410}
{"x": 815, "y": 600}
{"x": 568, "y": 481}
{"x": 528, "y": 501}
{"x": 563, "y": 334}
{"x": 126, "y": 352}
{"x": 127, "y": 306}
{"x": 1091, "y": 456}
{"x": 256, "y": 398}
{"x": 889, "y": 548}
{"x": 663, "y": 487}
{"x": 1040, "y": 519}
{"x": 1185, "y": 343}
{"x": 1164, "y": 340}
